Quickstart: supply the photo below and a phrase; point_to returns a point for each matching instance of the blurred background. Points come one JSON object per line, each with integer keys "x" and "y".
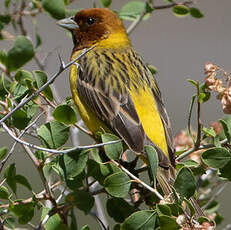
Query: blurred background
{"x": 178, "y": 47}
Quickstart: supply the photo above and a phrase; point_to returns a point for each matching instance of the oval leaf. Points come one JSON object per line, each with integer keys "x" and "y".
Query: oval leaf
{"x": 65, "y": 114}
{"x": 113, "y": 151}
{"x": 53, "y": 134}
{"x": 185, "y": 183}
{"x": 216, "y": 157}
{"x": 180, "y": 10}
{"x": 117, "y": 184}
{"x": 20, "y": 54}
{"x": 56, "y": 8}
{"x": 167, "y": 222}
{"x": 196, "y": 13}
{"x": 140, "y": 220}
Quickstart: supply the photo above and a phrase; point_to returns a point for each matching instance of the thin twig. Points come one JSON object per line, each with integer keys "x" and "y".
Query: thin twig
{"x": 50, "y": 81}
{"x": 199, "y": 125}
{"x": 138, "y": 180}
{"x": 15, "y": 143}
{"x": 54, "y": 151}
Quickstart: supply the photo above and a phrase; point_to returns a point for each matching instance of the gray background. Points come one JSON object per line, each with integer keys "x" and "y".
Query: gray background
{"x": 178, "y": 47}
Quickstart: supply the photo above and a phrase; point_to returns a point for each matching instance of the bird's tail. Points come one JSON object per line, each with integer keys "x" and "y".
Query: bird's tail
{"x": 166, "y": 178}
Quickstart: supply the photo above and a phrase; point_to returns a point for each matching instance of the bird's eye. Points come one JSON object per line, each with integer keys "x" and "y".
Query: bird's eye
{"x": 90, "y": 21}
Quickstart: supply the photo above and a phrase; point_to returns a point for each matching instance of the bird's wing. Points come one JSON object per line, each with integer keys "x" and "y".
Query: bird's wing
{"x": 114, "y": 108}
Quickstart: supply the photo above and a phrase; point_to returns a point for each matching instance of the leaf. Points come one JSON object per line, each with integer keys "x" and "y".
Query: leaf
{"x": 131, "y": 10}
{"x": 20, "y": 119}
{"x": 23, "y": 181}
{"x": 206, "y": 93}
{"x": 10, "y": 174}
{"x": 226, "y": 124}
{"x": 4, "y": 194}
{"x": 85, "y": 227}
{"x": 20, "y": 54}
{"x": 193, "y": 82}
{"x": 185, "y": 183}
{"x": 152, "y": 69}
{"x": 216, "y": 157}
{"x": 113, "y": 151}
{"x": 53, "y": 134}
{"x": 23, "y": 76}
{"x": 209, "y": 132}
{"x": 24, "y": 211}
{"x": 41, "y": 79}
{"x": 180, "y": 10}
{"x": 54, "y": 222}
{"x": 225, "y": 171}
{"x": 167, "y": 222}
{"x": 38, "y": 40}
{"x": 140, "y": 220}
{"x": 119, "y": 209}
{"x": 3, "y": 152}
{"x": 163, "y": 210}
{"x": 65, "y": 114}
{"x": 152, "y": 159}
{"x": 73, "y": 163}
{"x": 196, "y": 13}
{"x": 56, "y": 8}
{"x": 117, "y": 184}
{"x": 83, "y": 200}
{"x": 105, "y": 3}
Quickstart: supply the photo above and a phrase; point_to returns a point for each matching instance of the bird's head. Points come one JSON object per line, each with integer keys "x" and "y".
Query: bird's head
{"x": 96, "y": 26}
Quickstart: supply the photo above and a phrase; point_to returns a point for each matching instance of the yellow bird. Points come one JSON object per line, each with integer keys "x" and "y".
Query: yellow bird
{"x": 115, "y": 91}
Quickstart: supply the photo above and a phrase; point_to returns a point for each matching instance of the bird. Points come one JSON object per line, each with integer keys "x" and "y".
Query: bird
{"x": 115, "y": 91}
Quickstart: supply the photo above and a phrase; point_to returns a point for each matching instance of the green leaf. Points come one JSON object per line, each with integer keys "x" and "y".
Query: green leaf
{"x": 10, "y": 174}
{"x": 23, "y": 181}
{"x": 85, "y": 227}
{"x": 226, "y": 124}
{"x": 105, "y": 3}
{"x": 152, "y": 159}
{"x": 212, "y": 207}
{"x": 73, "y": 163}
{"x": 100, "y": 171}
{"x": 209, "y": 131}
{"x": 56, "y": 8}
{"x": 20, "y": 54}
{"x": 53, "y": 134}
{"x": 19, "y": 92}
{"x": 83, "y": 200}
{"x": 54, "y": 222}
{"x": 140, "y": 220}
{"x": 38, "y": 40}
{"x": 119, "y": 209}
{"x": 4, "y": 194}
{"x": 65, "y": 114}
{"x": 163, "y": 209}
{"x": 206, "y": 93}
{"x": 185, "y": 183}
{"x": 3, "y": 57}
{"x": 41, "y": 79}
{"x": 153, "y": 69}
{"x": 180, "y": 10}
{"x": 225, "y": 171}
{"x": 193, "y": 82}
{"x": 3, "y": 152}
{"x": 167, "y": 222}
{"x": 196, "y": 13}
{"x": 117, "y": 184}
{"x": 23, "y": 76}
{"x": 216, "y": 157}
{"x": 20, "y": 119}
{"x": 131, "y": 10}
{"x": 24, "y": 211}
{"x": 113, "y": 151}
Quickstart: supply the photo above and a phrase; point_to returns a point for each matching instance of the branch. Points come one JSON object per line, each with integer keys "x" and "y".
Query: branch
{"x": 50, "y": 81}
{"x": 139, "y": 181}
{"x": 54, "y": 151}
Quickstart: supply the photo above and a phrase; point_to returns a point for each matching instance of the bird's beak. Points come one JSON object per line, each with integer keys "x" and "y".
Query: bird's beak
{"x": 68, "y": 23}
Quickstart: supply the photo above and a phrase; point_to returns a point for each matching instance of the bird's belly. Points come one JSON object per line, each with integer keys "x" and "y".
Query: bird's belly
{"x": 149, "y": 116}
{"x": 92, "y": 122}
